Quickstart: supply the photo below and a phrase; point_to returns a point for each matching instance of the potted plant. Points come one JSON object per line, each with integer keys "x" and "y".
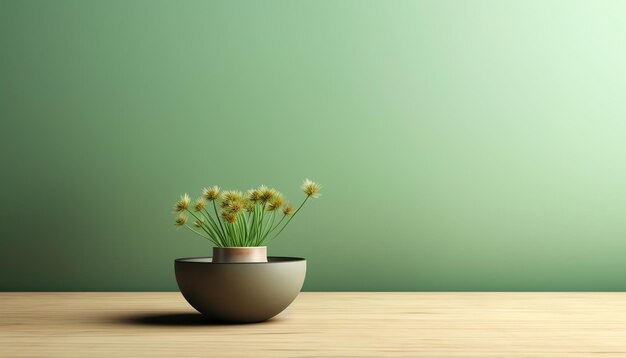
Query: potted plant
{"x": 240, "y": 226}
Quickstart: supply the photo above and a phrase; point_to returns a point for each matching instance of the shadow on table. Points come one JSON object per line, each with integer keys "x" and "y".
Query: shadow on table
{"x": 174, "y": 319}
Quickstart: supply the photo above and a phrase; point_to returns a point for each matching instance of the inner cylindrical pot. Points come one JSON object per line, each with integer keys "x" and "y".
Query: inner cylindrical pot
{"x": 240, "y": 254}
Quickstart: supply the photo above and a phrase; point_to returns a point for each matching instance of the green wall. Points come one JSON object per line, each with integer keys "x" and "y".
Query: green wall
{"x": 462, "y": 145}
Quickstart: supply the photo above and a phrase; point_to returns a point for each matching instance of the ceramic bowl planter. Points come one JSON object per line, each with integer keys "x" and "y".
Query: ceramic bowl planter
{"x": 227, "y": 288}
{"x": 240, "y": 283}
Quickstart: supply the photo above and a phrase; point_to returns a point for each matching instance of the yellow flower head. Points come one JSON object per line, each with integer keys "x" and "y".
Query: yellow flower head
{"x": 235, "y": 206}
{"x": 261, "y": 192}
{"x": 232, "y": 195}
{"x": 288, "y": 209}
{"x": 275, "y": 202}
{"x": 232, "y": 200}
{"x": 180, "y": 220}
{"x": 212, "y": 193}
{"x": 248, "y": 204}
{"x": 311, "y": 188}
{"x": 253, "y": 195}
{"x": 198, "y": 223}
{"x": 182, "y": 204}
{"x": 266, "y": 194}
{"x": 229, "y": 216}
{"x": 200, "y": 204}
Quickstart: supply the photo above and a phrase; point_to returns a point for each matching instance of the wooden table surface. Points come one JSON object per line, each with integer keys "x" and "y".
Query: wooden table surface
{"x": 318, "y": 324}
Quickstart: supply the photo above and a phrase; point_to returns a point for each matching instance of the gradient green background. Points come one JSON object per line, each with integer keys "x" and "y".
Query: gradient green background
{"x": 462, "y": 145}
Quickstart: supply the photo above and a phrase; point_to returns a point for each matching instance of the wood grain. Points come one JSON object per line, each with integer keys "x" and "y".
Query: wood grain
{"x": 318, "y": 325}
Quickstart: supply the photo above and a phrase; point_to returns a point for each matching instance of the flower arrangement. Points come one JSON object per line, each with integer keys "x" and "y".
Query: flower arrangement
{"x": 242, "y": 220}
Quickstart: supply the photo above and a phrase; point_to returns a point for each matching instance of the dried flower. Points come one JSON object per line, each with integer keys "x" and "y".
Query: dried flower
{"x": 232, "y": 195}
{"x": 235, "y": 206}
{"x": 212, "y": 193}
{"x": 183, "y": 203}
{"x": 200, "y": 204}
{"x": 288, "y": 209}
{"x": 249, "y": 205}
{"x": 311, "y": 188}
{"x": 275, "y": 202}
{"x": 232, "y": 201}
{"x": 253, "y": 195}
{"x": 229, "y": 216}
{"x": 180, "y": 220}
{"x": 266, "y": 194}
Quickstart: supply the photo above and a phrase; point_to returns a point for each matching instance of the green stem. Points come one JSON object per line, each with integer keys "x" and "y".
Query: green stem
{"x": 291, "y": 218}
{"x": 218, "y": 218}
{"x": 213, "y": 224}
{"x": 253, "y": 213}
{"x": 231, "y": 237}
{"x": 204, "y": 225}
{"x": 261, "y": 222}
{"x": 239, "y": 229}
{"x": 278, "y": 224}
{"x": 200, "y": 234}
{"x": 245, "y": 227}
{"x": 269, "y": 228}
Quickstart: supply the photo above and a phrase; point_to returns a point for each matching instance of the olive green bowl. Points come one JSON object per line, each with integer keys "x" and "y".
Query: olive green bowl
{"x": 240, "y": 292}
